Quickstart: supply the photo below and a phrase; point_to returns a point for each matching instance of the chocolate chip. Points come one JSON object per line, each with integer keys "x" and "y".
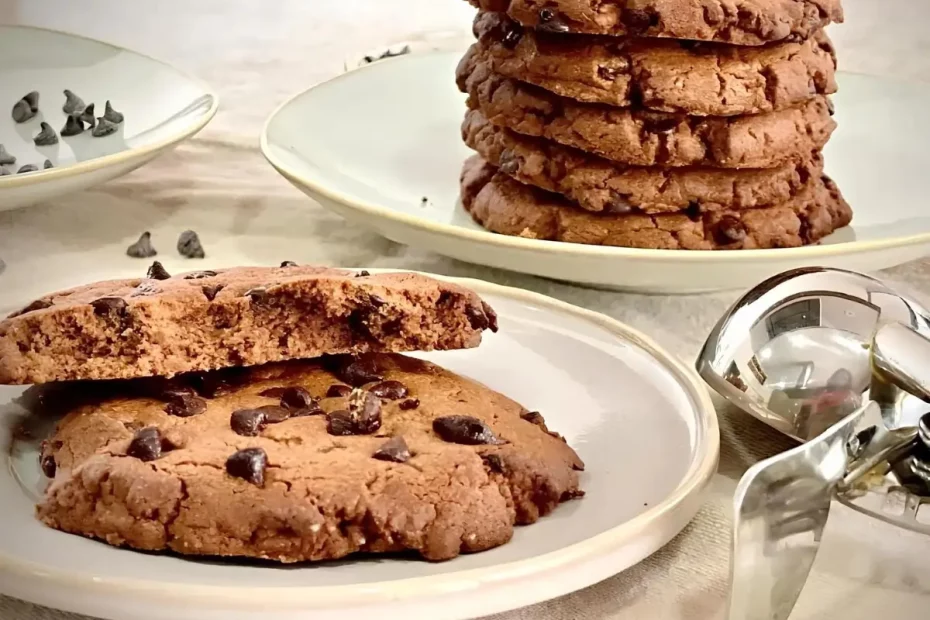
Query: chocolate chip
{"x": 365, "y": 411}
{"x": 394, "y": 449}
{"x": 495, "y": 463}
{"x": 618, "y": 204}
{"x": 508, "y": 162}
{"x": 189, "y": 245}
{"x": 362, "y": 274}
{"x": 210, "y": 291}
{"x": 142, "y": 248}
{"x": 200, "y": 275}
{"x": 248, "y": 464}
{"x": 464, "y": 429}
{"x": 5, "y": 158}
{"x": 830, "y": 107}
{"x": 410, "y": 403}
{"x": 296, "y": 397}
{"x": 109, "y": 306}
{"x": 638, "y": 21}
{"x": 146, "y": 445}
{"x": 87, "y": 116}
{"x": 73, "y": 127}
{"x": 49, "y": 466}
{"x": 359, "y": 371}
{"x": 312, "y": 409}
{"x": 477, "y": 318}
{"x": 73, "y": 104}
{"x": 288, "y": 263}
{"x": 729, "y": 229}
{"x": 337, "y": 391}
{"x": 211, "y": 385}
{"x": 661, "y": 125}
{"x": 533, "y": 417}
{"x": 258, "y": 295}
{"x": 39, "y": 304}
{"x": 274, "y": 414}
{"x": 103, "y": 128}
{"x": 551, "y": 21}
{"x": 275, "y": 392}
{"x": 185, "y": 405}
{"x": 339, "y": 422}
{"x": 511, "y": 35}
{"x": 22, "y": 112}
{"x": 391, "y": 390}
{"x": 157, "y": 272}
{"x": 46, "y": 135}
{"x": 247, "y": 422}
{"x": 47, "y": 164}
{"x": 27, "y": 168}
{"x": 376, "y": 300}
{"x": 112, "y": 115}
{"x": 145, "y": 289}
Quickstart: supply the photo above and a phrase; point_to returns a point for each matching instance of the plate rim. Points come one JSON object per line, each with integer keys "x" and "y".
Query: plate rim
{"x": 122, "y": 157}
{"x": 561, "y": 248}
{"x": 290, "y": 598}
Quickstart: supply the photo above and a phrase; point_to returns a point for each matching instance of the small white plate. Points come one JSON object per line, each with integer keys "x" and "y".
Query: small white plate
{"x": 162, "y": 106}
{"x": 372, "y": 143}
{"x": 643, "y": 423}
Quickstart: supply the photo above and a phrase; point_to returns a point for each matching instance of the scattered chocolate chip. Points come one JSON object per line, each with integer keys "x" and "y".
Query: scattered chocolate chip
{"x": 248, "y": 464}
{"x": 46, "y": 135}
{"x": 200, "y": 275}
{"x": 185, "y": 405}
{"x": 73, "y": 127}
{"x": 87, "y": 116}
{"x": 391, "y": 390}
{"x": 365, "y": 411}
{"x": 157, "y": 272}
{"x": 145, "y": 289}
{"x": 337, "y": 391}
{"x": 275, "y": 392}
{"x": 27, "y": 168}
{"x": 109, "y": 306}
{"x": 247, "y": 422}
{"x": 103, "y": 128}
{"x": 511, "y": 35}
{"x": 147, "y": 445}
{"x": 49, "y": 466}
{"x": 359, "y": 371}
{"x": 5, "y": 158}
{"x": 189, "y": 245}
{"x": 142, "y": 248}
{"x": 212, "y": 384}
{"x": 112, "y": 115}
{"x": 617, "y": 204}
{"x": 729, "y": 229}
{"x": 477, "y": 318}
{"x": 47, "y": 164}
{"x": 340, "y": 423}
{"x": 73, "y": 104}
{"x": 662, "y": 125}
{"x": 464, "y": 429}
{"x": 22, "y": 111}
{"x": 376, "y": 300}
{"x": 171, "y": 390}
{"x": 296, "y": 397}
{"x": 551, "y": 21}
{"x": 533, "y": 417}
{"x": 362, "y": 274}
{"x": 508, "y": 162}
{"x": 424, "y": 201}
{"x": 311, "y": 409}
{"x": 257, "y": 295}
{"x": 32, "y": 98}
{"x": 39, "y": 304}
{"x": 288, "y": 263}
{"x": 394, "y": 449}
{"x": 210, "y": 291}
{"x": 410, "y": 403}
{"x": 492, "y": 316}
{"x": 638, "y": 21}
{"x": 495, "y": 463}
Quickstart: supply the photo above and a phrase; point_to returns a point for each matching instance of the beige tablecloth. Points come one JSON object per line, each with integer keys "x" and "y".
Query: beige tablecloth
{"x": 256, "y": 54}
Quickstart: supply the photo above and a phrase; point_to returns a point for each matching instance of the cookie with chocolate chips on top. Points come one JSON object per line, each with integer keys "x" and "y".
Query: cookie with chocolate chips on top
{"x": 272, "y": 462}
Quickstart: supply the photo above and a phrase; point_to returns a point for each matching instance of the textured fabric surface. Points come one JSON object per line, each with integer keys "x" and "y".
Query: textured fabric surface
{"x": 255, "y": 57}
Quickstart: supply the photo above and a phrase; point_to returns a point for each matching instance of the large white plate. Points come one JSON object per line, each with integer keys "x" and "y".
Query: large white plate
{"x": 371, "y": 143}
{"x": 643, "y": 423}
{"x": 162, "y": 107}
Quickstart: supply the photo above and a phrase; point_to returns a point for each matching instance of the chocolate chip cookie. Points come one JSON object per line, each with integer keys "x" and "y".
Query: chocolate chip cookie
{"x": 741, "y": 22}
{"x": 304, "y": 461}
{"x": 597, "y": 184}
{"x": 505, "y": 206}
{"x": 668, "y": 76}
{"x": 166, "y": 325}
{"x": 645, "y": 138}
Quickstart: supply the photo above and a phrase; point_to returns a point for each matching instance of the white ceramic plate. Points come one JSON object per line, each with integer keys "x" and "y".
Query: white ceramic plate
{"x": 643, "y": 424}
{"x": 161, "y": 105}
{"x": 371, "y": 143}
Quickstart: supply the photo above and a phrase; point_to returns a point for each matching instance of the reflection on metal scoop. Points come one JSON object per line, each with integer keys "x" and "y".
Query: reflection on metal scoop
{"x": 794, "y": 351}
{"x": 782, "y": 504}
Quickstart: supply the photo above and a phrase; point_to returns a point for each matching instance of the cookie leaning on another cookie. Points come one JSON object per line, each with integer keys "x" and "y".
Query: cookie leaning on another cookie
{"x": 505, "y": 206}
{"x": 668, "y": 76}
{"x": 204, "y": 320}
{"x": 597, "y": 184}
{"x": 288, "y": 463}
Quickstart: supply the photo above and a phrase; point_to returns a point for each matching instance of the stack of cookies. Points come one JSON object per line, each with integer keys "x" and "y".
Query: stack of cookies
{"x": 670, "y": 124}
{"x": 267, "y": 413}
